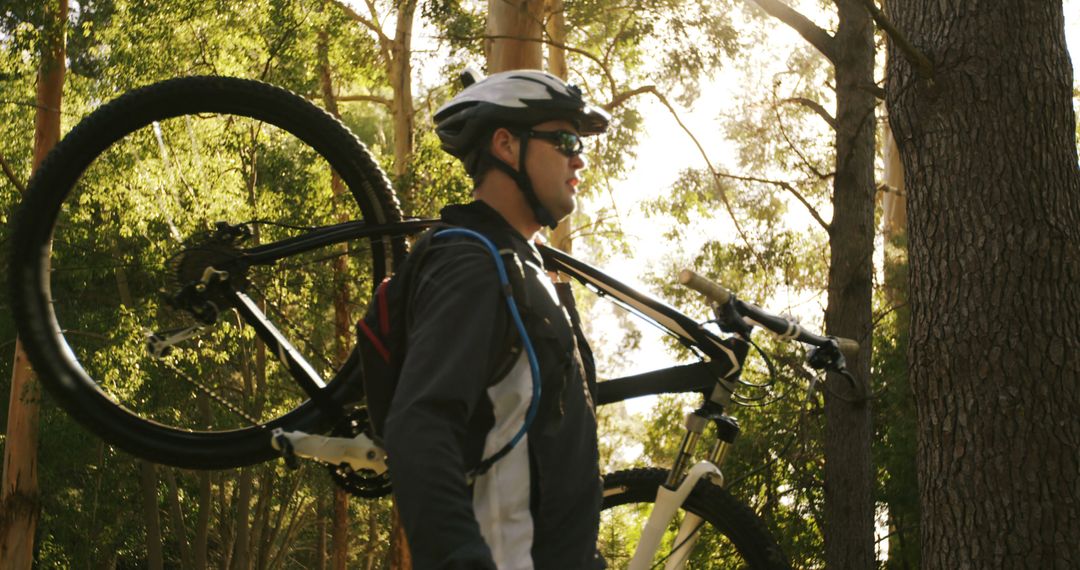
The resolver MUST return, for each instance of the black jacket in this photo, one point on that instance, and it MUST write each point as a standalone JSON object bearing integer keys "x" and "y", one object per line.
{"x": 463, "y": 392}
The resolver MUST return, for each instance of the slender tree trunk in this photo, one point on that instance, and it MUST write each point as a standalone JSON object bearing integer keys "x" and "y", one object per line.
{"x": 556, "y": 30}
{"x": 323, "y": 512}
{"x": 242, "y": 547}
{"x": 148, "y": 480}
{"x": 555, "y": 26}
{"x": 342, "y": 323}
{"x": 401, "y": 83}
{"x": 339, "y": 549}
{"x": 988, "y": 143}
{"x": 400, "y": 557}
{"x": 176, "y": 514}
{"x": 896, "y": 402}
{"x": 849, "y": 478}
{"x": 202, "y": 525}
{"x": 19, "y": 495}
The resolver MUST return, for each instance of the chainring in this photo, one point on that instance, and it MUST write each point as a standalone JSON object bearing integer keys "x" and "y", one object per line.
{"x": 362, "y": 483}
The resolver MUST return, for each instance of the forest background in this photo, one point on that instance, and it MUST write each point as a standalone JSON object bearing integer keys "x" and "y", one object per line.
{"x": 721, "y": 158}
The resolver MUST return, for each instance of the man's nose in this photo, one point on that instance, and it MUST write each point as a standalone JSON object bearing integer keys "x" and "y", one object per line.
{"x": 578, "y": 162}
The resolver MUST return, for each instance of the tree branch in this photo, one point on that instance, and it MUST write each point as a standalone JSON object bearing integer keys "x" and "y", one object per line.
{"x": 920, "y": 62}
{"x": 625, "y": 96}
{"x": 587, "y": 55}
{"x": 712, "y": 169}
{"x": 810, "y": 31}
{"x": 11, "y": 175}
{"x": 813, "y": 106}
{"x": 363, "y": 21}
{"x": 356, "y": 98}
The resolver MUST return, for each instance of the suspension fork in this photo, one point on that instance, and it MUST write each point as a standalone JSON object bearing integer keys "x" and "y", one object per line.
{"x": 673, "y": 493}
{"x": 680, "y": 482}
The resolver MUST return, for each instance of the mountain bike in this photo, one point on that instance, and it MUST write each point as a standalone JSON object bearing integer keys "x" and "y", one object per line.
{"x": 179, "y": 272}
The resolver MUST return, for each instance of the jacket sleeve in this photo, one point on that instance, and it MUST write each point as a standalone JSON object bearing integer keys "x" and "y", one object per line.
{"x": 459, "y": 318}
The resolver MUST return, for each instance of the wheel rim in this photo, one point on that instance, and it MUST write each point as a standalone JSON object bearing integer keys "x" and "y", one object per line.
{"x": 139, "y": 223}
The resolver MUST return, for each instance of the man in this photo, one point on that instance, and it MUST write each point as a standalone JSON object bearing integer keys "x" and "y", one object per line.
{"x": 466, "y": 386}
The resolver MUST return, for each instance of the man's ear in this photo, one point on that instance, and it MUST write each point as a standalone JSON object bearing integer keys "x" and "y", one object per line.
{"x": 504, "y": 146}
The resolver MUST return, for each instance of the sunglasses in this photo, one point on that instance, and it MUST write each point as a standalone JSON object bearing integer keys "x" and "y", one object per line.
{"x": 565, "y": 142}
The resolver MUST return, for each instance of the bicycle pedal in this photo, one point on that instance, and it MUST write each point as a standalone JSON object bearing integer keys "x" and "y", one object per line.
{"x": 285, "y": 448}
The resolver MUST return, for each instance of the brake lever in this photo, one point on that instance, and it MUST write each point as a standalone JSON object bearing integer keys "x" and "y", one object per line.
{"x": 729, "y": 320}
{"x": 827, "y": 357}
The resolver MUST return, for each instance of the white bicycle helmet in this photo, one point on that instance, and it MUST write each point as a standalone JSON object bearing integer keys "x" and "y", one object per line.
{"x": 515, "y": 100}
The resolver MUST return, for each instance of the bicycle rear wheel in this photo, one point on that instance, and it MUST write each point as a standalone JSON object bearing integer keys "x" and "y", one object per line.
{"x": 130, "y": 210}
{"x": 731, "y": 535}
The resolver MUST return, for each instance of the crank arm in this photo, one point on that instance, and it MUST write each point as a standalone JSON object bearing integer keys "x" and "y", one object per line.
{"x": 160, "y": 344}
{"x": 358, "y": 452}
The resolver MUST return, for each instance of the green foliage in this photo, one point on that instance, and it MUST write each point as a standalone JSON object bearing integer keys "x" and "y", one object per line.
{"x": 125, "y": 223}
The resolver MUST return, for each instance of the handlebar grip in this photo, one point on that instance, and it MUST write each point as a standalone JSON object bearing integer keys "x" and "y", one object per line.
{"x": 705, "y": 286}
{"x": 848, "y": 347}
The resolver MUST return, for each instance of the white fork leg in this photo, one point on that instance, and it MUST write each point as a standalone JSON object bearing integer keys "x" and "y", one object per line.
{"x": 684, "y": 542}
{"x": 667, "y": 503}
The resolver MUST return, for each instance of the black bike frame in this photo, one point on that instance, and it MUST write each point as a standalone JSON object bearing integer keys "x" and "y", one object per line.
{"x": 719, "y": 368}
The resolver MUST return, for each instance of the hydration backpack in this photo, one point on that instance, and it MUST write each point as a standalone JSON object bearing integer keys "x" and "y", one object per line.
{"x": 382, "y": 335}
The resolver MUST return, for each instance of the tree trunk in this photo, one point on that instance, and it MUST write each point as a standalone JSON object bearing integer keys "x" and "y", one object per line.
{"x": 342, "y": 325}
{"x": 514, "y": 27}
{"x": 555, "y": 26}
{"x": 402, "y": 105}
{"x": 988, "y": 144}
{"x": 400, "y": 557}
{"x": 176, "y": 514}
{"x": 556, "y": 30}
{"x": 242, "y": 547}
{"x": 19, "y": 494}
{"x": 895, "y": 403}
{"x": 202, "y": 526}
{"x": 339, "y": 549}
{"x": 148, "y": 480}
{"x": 849, "y": 505}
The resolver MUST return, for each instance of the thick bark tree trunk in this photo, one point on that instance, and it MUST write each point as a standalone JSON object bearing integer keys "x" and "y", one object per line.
{"x": 514, "y": 27}
{"x": 849, "y": 504}
{"x": 988, "y": 143}
{"x": 19, "y": 494}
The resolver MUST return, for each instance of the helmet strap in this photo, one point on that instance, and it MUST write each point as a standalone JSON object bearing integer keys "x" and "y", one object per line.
{"x": 524, "y": 183}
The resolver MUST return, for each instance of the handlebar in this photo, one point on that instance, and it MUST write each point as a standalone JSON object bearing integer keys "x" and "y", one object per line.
{"x": 754, "y": 315}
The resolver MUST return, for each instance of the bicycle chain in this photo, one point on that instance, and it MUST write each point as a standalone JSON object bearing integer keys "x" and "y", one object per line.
{"x": 212, "y": 394}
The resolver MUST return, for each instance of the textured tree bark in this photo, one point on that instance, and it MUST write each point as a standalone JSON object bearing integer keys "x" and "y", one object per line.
{"x": 988, "y": 144}
{"x": 515, "y": 27}
{"x": 19, "y": 506}
{"x": 849, "y": 505}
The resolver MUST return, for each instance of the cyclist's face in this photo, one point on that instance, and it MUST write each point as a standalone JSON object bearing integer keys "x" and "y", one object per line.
{"x": 555, "y": 176}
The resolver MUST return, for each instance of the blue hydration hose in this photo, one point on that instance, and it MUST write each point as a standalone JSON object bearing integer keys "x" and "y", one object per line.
{"x": 534, "y": 364}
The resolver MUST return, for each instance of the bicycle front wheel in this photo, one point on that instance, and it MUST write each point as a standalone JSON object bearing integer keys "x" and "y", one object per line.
{"x": 136, "y": 207}
{"x": 729, "y": 535}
